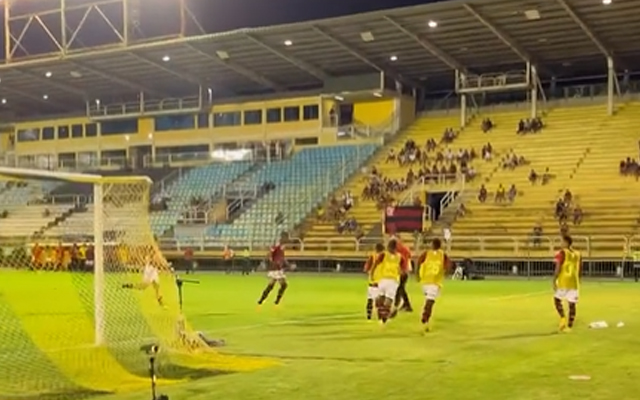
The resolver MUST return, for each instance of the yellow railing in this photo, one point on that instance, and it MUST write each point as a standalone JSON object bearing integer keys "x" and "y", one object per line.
{"x": 505, "y": 246}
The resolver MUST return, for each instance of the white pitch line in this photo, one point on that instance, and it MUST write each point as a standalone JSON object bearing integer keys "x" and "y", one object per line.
{"x": 521, "y": 295}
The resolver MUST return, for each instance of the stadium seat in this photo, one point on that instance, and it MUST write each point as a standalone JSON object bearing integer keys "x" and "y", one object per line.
{"x": 577, "y": 147}
{"x": 301, "y": 183}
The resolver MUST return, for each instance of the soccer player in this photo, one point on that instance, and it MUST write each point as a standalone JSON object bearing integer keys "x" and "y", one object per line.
{"x": 402, "y": 297}
{"x": 433, "y": 265}
{"x": 392, "y": 264}
{"x": 566, "y": 282}
{"x": 276, "y": 265}
{"x": 150, "y": 277}
{"x": 372, "y": 272}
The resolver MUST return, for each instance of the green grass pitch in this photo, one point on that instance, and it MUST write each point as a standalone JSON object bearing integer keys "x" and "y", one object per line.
{"x": 491, "y": 339}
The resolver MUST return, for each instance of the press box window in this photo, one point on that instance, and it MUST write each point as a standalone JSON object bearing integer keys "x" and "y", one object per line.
{"x": 63, "y": 132}
{"x": 28, "y": 135}
{"x": 253, "y": 117}
{"x": 48, "y": 133}
{"x": 227, "y": 119}
{"x": 91, "y": 130}
{"x": 203, "y": 120}
{"x": 291, "y": 114}
{"x": 77, "y": 131}
{"x": 310, "y": 112}
{"x": 274, "y": 115}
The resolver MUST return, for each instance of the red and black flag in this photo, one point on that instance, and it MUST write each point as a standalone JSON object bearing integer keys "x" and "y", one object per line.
{"x": 403, "y": 219}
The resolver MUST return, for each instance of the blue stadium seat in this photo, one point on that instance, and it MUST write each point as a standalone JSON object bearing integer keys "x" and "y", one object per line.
{"x": 302, "y": 183}
{"x": 199, "y": 182}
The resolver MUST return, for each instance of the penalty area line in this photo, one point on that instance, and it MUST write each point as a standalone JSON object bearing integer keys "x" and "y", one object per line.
{"x": 520, "y": 295}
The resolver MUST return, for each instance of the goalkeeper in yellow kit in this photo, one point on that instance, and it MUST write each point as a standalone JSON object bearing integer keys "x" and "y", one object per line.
{"x": 433, "y": 265}
{"x": 566, "y": 282}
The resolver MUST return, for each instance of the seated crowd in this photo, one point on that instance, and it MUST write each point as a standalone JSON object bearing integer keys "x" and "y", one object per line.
{"x": 501, "y": 195}
{"x": 487, "y": 125}
{"x": 630, "y": 167}
{"x": 529, "y": 125}
{"x": 512, "y": 160}
{"x": 543, "y": 178}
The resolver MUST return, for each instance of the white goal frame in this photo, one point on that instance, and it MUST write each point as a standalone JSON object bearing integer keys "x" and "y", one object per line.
{"x": 98, "y": 182}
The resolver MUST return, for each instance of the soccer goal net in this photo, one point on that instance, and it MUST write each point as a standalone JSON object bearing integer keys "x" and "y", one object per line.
{"x": 71, "y": 245}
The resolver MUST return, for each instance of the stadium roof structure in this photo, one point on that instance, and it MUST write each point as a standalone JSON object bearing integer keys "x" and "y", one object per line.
{"x": 419, "y": 46}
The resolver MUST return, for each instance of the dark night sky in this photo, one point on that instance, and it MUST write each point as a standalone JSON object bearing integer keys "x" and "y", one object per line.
{"x": 224, "y": 15}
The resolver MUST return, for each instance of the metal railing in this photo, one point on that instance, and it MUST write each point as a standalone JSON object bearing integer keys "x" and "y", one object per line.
{"x": 514, "y": 246}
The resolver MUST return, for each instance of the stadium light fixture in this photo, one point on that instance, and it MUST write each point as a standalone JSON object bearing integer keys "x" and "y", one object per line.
{"x": 377, "y": 94}
{"x": 288, "y": 43}
{"x": 48, "y": 74}
{"x": 45, "y": 96}
{"x": 432, "y": 24}
{"x": 393, "y": 58}
{"x": 166, "y": 58}
{"x": 339, "y": 98}
{"x": 4, "y": 101}
{"x": 606, "y": 2}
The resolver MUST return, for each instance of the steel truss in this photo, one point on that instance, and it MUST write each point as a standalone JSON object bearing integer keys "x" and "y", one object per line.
{"x": 57, "y": 28}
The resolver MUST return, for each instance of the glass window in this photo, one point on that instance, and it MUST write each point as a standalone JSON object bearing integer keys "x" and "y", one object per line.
{"x": 310, "y": 112}
{"x": 307, "y": 141}
{"x": 119, "y": 127}
{"x": 232, "y": 118}
{"x": 274, "y": 115}
{"x": 91, "y": 130}
{"x": 174, "y": 122}
{"x": 253, "y": 117}
{"x": 28, "y": 135}
{"x": 48, "y": 133}
{"x": 292, "y": 114}
{"x": 203, "y": 120}
{"x": 63, "y": 132}
{"x": 77, "y": 131}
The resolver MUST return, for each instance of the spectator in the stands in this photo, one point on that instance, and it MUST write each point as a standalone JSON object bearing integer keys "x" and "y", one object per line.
{"x": 461, "y": 211}
{"x": 577, "y": 215}
{"x": 487, "y": 152}
{"x": 391, "y": 155}
{"x": 347, "y": 201}
{"x": 431, "y": 144}
{"x": 501, "y": 195}
{"x": 482, "y": 195}
{"x": 46, "y": 213}
{"x": 568, "y": 197}
{"x": 537, "y": 234}
{"x": 546, "y": 177}
{"x": 449, "y": 135}
{"x": 559, "y": 209}
{"x": 533, "y": 176}
{"x": 487, "y": 125}
{"x": 513, "y": 192}
{"x": 533, "y": 125}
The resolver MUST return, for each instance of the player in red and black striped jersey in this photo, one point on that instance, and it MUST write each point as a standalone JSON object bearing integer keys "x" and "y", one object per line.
{"x": 402, "y": 301}
{"x": 276, "y": 265}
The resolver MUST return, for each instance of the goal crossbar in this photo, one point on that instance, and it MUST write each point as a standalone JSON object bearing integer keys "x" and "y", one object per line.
{"x": 24, "y": 173}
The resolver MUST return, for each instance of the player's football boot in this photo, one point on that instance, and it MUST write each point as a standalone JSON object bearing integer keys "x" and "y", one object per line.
{"x": 426, "y": 328}
{"x": 563, "y": 324}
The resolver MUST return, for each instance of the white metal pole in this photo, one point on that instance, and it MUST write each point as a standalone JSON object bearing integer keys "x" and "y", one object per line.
{"x": 463, "y": 103}
{"x": 98, "y": 262}
{"x": 610, "y": 85}
{"x": 534, "y": 91}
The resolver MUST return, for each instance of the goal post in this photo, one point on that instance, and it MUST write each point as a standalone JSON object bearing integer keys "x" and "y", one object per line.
{"x": 70, "y": 242}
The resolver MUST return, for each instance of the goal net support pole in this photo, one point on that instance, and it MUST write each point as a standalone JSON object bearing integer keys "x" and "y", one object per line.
{"x": 98, "y": 278}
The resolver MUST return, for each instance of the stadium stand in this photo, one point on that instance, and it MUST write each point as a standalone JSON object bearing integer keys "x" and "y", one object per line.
{"x": 204, "y": 182}
{"x": 301, "y": 183}
{"x": 321, "y": 230}
{"x": 575, "y": 162}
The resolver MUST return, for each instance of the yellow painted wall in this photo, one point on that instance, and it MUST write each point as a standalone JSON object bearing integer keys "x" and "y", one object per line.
{"x": 146, "y": 134}
{"x": 373, "y": 112}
